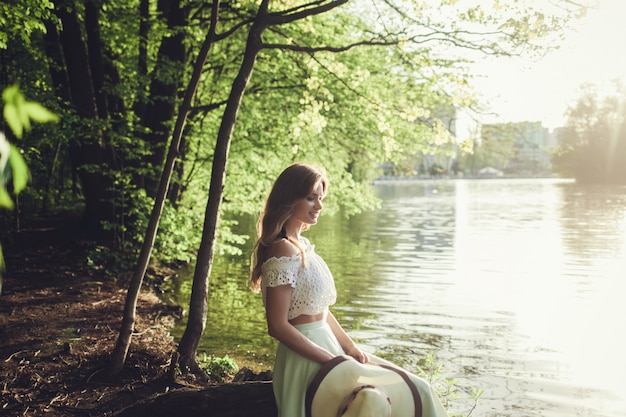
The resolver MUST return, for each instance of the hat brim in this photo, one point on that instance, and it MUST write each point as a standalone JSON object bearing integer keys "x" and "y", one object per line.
{"x": 340, "y": 376}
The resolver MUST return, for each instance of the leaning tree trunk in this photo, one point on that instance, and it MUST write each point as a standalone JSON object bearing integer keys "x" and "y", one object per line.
{"x": 130, "y": 307}
{"x": 198, "y": 305}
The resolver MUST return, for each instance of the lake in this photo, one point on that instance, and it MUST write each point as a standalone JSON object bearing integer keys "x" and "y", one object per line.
{"x": 517, "y": 286}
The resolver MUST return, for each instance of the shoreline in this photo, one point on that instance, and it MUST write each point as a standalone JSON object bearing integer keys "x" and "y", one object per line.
{"x": 393, "y": 180}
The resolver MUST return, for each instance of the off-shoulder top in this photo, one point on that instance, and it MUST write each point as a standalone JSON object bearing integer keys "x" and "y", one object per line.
{"x": 313, "y": 284}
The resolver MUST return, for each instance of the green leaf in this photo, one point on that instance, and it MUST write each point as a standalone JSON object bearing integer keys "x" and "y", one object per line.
{"x": 18, "y": 112}
{"x": 19, "y": 170}
{"x": 12, "y": 117}
{"x": 21, "y": 111}
{"x": 39, "y": 113}
{"x": 5, "y": 199}
{"x": 11, "y": 94}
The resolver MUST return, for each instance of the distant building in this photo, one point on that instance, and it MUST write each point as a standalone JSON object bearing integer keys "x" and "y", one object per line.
{"x": 554, "y": 139}
{"x": 463, "y": 127}
{"x": 532, "y": 149}
{"x": 531, "y": 144}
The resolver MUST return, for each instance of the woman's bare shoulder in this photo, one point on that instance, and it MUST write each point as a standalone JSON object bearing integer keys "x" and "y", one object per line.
{"x": 282, "y": 248}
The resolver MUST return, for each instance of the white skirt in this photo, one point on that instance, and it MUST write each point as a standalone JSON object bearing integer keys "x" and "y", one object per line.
{"x": 293, "y": 373}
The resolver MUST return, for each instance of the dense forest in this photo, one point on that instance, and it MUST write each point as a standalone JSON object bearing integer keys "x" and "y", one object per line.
{"x": 168, "y": 119}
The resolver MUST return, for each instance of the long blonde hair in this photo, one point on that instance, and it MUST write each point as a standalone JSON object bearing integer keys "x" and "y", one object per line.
{"x": 294, "y": 183}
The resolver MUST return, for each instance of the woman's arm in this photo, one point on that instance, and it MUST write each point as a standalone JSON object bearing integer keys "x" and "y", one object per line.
{"x": 344, "y": 340}
{"x": 277, "y": 304}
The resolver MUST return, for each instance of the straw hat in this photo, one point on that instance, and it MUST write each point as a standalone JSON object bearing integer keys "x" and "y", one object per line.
{"x": 344, "y": 387}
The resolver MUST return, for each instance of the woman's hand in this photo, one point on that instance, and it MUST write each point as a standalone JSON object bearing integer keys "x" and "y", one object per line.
{"x": 357, "y": 354}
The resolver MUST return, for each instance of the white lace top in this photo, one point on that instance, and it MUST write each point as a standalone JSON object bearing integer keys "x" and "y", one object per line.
{"x": 313, "y": 285}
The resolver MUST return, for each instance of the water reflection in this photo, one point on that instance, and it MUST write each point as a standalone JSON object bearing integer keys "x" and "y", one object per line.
{"x": 516, "y": 285}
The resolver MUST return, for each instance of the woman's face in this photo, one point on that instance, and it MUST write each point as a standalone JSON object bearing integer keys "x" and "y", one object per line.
{"x": 307, "y": 210}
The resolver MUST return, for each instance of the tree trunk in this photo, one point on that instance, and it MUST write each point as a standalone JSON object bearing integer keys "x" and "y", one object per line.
{"x": 198, "y": 305}
{"x": 90, "y": 150}
{"x": 60, "y": 84}
{"x": 161, "y": 106}
{"x": 96, "y": 64}
{"x": 52, "y": 45}
{"x": 228, "y": 400}
{"x": 142, "y": 59}
{"x": 130, "y": 307}
{"x": 176, "y": 188}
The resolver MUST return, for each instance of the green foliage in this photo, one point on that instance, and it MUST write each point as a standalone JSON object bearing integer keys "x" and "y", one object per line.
{"x": 433, "y": 371}
{"x": 104, "y": 258}
{"x": 446, "y": 388}
{"x": 18, "y": 114}
{"x": 12, "y": 167}
{"x": 22, "y": 18}
{"x": 179, "y": 234}
{"x": 221, "y": 369}
{"x": 179, "y": 230}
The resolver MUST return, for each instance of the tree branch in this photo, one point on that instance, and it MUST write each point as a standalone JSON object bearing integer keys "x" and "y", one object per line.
{"x": 281, "y": 18}
{"x": 234, "y": 29}
{"x": 303, "y": 6}
{"x": 314, "y": 49}
{"x": 205, "y": 108}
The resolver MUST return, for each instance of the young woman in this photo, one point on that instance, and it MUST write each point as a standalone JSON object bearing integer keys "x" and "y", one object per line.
{"x": 298, "y": 288}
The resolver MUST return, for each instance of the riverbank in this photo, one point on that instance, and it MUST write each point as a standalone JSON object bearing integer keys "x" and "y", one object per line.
{"x": 489, "y": 176}
{"x": 59, "y": 322}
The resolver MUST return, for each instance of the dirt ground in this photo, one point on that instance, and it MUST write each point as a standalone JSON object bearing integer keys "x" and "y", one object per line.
{"x": 59, "y": 322}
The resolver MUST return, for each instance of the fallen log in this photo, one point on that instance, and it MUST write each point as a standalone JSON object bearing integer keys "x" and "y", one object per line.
{"x": 225, "y": 400}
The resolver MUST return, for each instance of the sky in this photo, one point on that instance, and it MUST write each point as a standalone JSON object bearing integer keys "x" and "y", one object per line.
{"x": 521, "y": 90}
